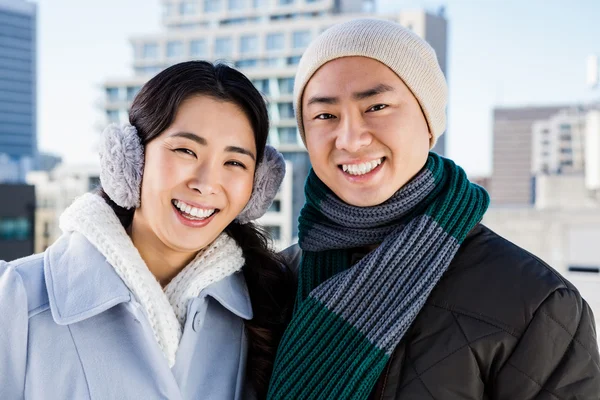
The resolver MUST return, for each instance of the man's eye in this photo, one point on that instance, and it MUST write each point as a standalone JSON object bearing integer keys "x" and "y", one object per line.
{"x": 324, "y": 116}
{"x": 186, "y": 151}
{"x": 378, "y": 107}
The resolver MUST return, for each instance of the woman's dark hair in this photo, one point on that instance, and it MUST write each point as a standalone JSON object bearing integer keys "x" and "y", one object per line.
{"x": 269, "y": 280}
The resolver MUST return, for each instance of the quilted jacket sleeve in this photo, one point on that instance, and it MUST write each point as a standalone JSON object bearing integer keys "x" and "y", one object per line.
{"x": 13, "y": 333}
{"x": 556, "y": 357}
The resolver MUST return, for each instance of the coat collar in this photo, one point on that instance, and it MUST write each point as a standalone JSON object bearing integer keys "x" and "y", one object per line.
{"x": 82, "y": 284}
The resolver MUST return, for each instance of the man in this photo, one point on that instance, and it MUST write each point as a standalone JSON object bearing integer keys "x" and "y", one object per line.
{"x": 403, "y": 294}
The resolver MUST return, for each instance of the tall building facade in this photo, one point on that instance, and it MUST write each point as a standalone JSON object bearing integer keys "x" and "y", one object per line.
{"x": 512, "y": 181}
{"x": 558, "y": 143}
{"x": 18, "y": 137}
{"x": 265, "y": 39}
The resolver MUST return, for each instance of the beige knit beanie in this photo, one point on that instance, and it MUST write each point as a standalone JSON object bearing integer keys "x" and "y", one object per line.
{"x": 401, "y": 50}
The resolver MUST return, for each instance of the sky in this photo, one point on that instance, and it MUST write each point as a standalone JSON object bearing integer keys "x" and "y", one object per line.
{"x": 500, "y": 53}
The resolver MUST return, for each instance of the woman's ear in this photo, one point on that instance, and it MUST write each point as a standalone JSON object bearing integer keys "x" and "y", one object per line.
{"x": 267, "y": 179}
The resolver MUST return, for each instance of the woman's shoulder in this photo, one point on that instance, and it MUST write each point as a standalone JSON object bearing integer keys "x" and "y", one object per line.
{"x": 22, "y": 282}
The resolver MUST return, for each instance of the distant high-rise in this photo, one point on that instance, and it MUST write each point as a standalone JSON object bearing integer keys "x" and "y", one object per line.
{"x": 512, "y": 179}
{"x": 18, "y": 138}
{"x": 265, "y": 39}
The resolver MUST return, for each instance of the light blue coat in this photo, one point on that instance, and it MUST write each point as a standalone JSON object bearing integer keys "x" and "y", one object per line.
{"x": 71, "y": 329}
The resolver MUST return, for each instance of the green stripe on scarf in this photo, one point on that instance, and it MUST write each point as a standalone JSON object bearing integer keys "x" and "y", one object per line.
{"x": 348, "y": 319}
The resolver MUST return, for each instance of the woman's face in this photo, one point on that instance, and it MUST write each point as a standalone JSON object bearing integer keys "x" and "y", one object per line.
{"x": 198, "y": 175}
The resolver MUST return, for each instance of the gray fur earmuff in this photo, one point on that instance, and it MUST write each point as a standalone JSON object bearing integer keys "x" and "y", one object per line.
{"x": 122, "y": 167}
{"x": 267, "y": 178}
{"x": 121, "y": 164}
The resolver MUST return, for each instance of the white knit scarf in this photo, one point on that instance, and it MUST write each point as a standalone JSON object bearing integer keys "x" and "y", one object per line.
{"x": 166, "y": 310}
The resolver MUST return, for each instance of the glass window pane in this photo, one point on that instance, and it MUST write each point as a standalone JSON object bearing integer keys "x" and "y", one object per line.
{"x": 275, "y": 41}
{"x": 198, "y": 48}
{"x": 175, "y": 49}
{"x": 262, "y": 85}
{"x": 187, "y": 8}
{"x": 112, "y": 94}
{"x": 286, "y": 110}
{"x": 223, "y": 46}
{"x": 150, "y": 50}
{"x": 300, "y": 39}
{"x": 131, "y": 92}
{"x": 212, "y": 5}
{"x": 236, "y": 4}
{"x": 286, "y": 85}
{"x": 246, "y": 63}
{"x": 249, "y": 44}
{"x": 288, "y": 136}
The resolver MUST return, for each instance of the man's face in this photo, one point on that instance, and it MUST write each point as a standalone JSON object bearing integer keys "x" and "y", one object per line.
{"x": 366, "y": 134}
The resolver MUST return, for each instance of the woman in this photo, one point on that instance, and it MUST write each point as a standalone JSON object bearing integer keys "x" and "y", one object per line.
{"x": 160, "y": 286}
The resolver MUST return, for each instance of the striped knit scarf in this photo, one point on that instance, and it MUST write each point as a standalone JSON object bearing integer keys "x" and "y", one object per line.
{"x": 349, "y": 319}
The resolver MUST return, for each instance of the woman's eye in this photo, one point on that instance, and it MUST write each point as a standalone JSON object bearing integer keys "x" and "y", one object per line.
{"x": 324, "y": 116}
{"x": 378, "y": 107}
{"x": 186, "y": 151}
{"x": 236, "y": 164}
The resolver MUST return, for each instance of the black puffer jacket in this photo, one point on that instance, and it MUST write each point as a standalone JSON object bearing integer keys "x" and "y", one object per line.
{"x": 500, "y": 325}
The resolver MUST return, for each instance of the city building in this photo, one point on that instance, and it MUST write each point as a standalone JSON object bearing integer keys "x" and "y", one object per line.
{"x": 18, "y": 87}
{"x": 265, "y": 39}
{"x": 558, "y": 143}
{"x": 512, "y": 181}
{"x": 17, "y": 219}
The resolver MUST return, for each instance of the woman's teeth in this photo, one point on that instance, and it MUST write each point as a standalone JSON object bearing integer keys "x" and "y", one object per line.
{"x": 198, "y": 213}
{"x": 363, "y": 168}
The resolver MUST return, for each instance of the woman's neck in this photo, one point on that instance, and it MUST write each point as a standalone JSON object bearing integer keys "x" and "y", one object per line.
{"x": 163, "y": 262}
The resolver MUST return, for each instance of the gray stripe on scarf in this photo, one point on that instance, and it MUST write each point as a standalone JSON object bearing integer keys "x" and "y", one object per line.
{"x": 349, "y": 229}
{"x": 385, "y": 312}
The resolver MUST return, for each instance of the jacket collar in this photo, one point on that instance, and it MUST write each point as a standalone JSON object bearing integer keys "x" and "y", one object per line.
{"x": 82, "y": 284}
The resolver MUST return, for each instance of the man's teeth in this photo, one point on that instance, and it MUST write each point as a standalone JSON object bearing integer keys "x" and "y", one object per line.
{"x": 193, "y": 211}
{"x": 363, "y": 168}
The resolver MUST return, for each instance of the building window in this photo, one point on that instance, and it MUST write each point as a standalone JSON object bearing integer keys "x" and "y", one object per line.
{"x": 249, "y": 63}
{"x": 175, "y": 49}
{"x": 262, "y": 85}
{"x": 198, "y": 48}
{"x": 259, "y": 3}
{"x": 285, "y": 2}
{"x": 212, "y": 5}
{"x": 150, "y": 51}
{"x": 594, "y": 269}
{"x": 286, "y": 85}
{"x": 300, "y": 39}
{"x": 286, "y": 110}
{"x": 288, "y": 135}
{"x": 275, "y": 41}
{"x": 167, "y": 9}
{"x": 187, "y": 8}
{"x": 112, "y": 94}
{"x": 273, "y": 231}
{"x": 275, "y": 206}
{"x": 236, "y": 4}
{"x": 565, "y": 127}
{"x": 112, "y": 115}
{"x": 248, "y": 44}
{"x": 566, "y": 150}
{"x": 293, "y": 60}
{"x": 274, "y": 62}
{"x": 223, "y": 46}
{"x": 131, "y": 92}
{"x": 15, "y": 229}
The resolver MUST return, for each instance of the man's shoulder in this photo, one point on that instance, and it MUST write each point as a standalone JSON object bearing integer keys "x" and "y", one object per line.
{"x": 292, "y": 257}
{"x": 496, "y": 281}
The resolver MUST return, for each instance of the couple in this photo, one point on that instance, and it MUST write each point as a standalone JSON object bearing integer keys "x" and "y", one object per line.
{"x": 161, "y": 287}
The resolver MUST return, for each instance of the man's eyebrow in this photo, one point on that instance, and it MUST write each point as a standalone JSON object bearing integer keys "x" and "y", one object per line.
{"x": 365, "y": 94}
{"x": 191, "y": 136}
{"x": 322, "y": 100}
{"x": 240, "y": 150}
